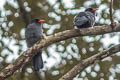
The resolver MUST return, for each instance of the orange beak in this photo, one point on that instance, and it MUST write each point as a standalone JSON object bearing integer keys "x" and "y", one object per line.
{"x": 95, "y": 9}
{"x": 41, "y": 21}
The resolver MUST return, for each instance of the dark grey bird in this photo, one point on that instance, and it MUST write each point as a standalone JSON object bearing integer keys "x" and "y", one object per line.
{"x": 85, "y": 19}
{"x": 33, "y": 34}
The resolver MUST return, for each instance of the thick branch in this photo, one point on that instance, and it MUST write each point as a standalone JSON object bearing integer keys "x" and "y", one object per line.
{"x": 91, "y": 60}
{"x": 28, "y": 54}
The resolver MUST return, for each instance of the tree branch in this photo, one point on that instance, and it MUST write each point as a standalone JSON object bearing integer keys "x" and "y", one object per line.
{"x": 89, "y": 61}
{"x": 28, "y": 54}
{"x": 111, "y": 13}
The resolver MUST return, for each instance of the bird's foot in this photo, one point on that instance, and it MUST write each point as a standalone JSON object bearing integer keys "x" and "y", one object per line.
{"x": 44, "y": 36}
{"x": 92, "y": 27}
{"x": 75, "y": 27}
{"x": 113, "y": 25}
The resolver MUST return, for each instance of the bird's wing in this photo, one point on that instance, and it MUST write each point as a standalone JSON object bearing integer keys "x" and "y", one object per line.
{"x": 91, "y": 18}
{"x": 30, "y": 31}
{"x": 80, "y": 19}
{"x": 31, "y": 35}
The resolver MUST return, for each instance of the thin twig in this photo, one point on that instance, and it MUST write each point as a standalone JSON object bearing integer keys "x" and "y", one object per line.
{"x": 111, "y": 14}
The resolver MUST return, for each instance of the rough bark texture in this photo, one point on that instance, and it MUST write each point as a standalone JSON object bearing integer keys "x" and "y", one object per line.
{"x": 91, "y": 60}
{"x": 28, "y": 54}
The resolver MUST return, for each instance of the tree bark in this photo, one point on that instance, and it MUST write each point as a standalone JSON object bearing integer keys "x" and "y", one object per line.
{"x": 28, "y": 54}
{"x": 89, "y": 61}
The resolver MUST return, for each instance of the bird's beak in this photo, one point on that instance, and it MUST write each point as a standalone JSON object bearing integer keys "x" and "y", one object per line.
{"x": 41, "y": 21}
{"x": 95, "y": 9}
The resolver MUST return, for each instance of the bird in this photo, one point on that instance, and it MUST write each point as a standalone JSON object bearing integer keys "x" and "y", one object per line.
{"x": 85, "y": 19}
{"x": 33, "y": 34}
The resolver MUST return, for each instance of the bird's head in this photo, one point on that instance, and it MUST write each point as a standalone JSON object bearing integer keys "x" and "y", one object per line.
{"x": 39, "y": 21}
{"x": 92, "y": 10}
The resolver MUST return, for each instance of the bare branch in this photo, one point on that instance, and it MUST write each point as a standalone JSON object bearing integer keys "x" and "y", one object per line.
{"x": 89, "y": 61}
{"x": 28, "y": 54}
{"x": 111, "y": 13}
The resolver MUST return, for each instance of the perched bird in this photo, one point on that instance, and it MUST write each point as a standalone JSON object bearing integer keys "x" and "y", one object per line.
{"x": 33, "y": 34}
{"x": 85, "y": 19}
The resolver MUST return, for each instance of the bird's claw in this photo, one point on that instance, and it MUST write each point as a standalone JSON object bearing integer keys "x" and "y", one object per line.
{"x": 44, "y": 36}
{"x": 113, "y": 25}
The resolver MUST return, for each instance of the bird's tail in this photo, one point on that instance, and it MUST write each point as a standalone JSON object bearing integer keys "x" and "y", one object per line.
{"x": 38, "y": 61}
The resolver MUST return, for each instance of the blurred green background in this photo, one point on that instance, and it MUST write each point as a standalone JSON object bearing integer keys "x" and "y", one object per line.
{"x": 58, "y": 58}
